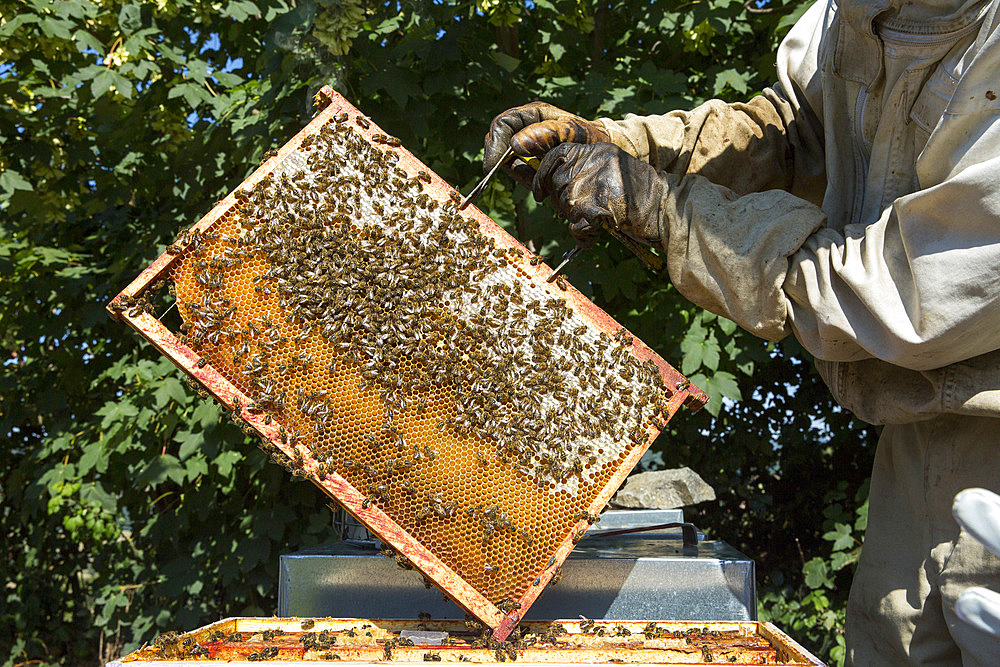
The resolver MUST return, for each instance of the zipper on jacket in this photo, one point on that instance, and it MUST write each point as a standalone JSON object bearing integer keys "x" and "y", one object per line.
{"x": 861, "y": 154}
{"x": 859, "y": 122}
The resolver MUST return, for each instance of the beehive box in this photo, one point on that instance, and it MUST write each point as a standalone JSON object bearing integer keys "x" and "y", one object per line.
{"x": 578, "y": 642}
{"x": 410, "y": 360}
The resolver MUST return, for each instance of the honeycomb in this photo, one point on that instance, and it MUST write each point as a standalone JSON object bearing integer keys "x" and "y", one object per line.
{"x": 399, "y": 347}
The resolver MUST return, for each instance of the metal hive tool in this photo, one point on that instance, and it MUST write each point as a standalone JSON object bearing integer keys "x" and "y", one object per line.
{"x": 411, "y": 361}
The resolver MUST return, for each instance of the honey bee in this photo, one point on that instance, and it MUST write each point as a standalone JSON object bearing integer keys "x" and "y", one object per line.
{"x": 268, "y": 155}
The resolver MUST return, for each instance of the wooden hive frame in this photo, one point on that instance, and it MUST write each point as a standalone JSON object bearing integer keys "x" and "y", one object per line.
{"x": 185, "y": 358}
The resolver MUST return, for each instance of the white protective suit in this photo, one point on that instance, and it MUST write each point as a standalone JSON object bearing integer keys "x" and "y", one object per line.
{"x": 856, "y": 204}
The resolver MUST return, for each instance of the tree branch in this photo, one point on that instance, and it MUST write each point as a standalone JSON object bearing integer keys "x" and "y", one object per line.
{"x": 749, "y": 6}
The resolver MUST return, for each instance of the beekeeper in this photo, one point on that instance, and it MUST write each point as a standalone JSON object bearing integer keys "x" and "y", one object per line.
{"x": 856, "y": 205}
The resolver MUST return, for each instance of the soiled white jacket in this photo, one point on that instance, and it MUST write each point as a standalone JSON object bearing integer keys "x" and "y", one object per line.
{"x": 856, "y": 203}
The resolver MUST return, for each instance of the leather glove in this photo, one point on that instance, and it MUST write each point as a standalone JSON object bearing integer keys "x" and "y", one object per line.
{"x": 534, "y": 129}
{"x": 978, "y": 512}
{"x": 600, "y": 184}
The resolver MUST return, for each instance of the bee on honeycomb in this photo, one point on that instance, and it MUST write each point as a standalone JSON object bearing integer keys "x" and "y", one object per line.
{"x": 401, "y": 348}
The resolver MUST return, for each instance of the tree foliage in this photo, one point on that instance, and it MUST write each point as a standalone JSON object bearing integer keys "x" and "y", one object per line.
{"x": 129, "y": 507}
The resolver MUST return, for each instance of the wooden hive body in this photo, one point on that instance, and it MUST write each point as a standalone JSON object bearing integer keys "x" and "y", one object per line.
{"x": 241, "y": 641}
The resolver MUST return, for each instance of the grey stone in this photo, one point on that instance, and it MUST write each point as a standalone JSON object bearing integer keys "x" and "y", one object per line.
{"x": 663, "y": 489}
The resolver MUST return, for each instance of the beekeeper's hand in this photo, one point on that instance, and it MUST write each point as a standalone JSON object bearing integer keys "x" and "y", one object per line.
{"x": 978, "y": 512}
{"x": 594, "y": 184}
{"x": 532, "y": 130}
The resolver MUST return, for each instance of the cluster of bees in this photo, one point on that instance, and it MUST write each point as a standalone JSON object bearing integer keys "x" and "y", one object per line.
{"x": 340, "y": 268}
{"x": 189, "y": 648}
{"x": 457, "y": 645}
{"x": 169, "y": 644}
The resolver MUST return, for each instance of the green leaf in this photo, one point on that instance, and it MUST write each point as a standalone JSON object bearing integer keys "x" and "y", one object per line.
{"x": 117, "y": 411}
{"x": 16, "y": 22}
{"x": 193, "y": 93}
{"x": 700, "y": 348}
{"x": 728, "y": 326}
{"x": 227, "y": 79}
{"x": 195, "y": 467}
{"x": 841, "y": 559}
{"x": 252, "y": 551}
{"x": 54, "y": 27}
{"x": 122, "y": 85}
{"x": 725, "y": 383}
{"x": 160, "y": 469}
{"x": 240, "y": 10}
{"x": 96, "y": 493}
{"x": 692, "y": 356}
{"x": 169, "y": 389}
{"x": 788, "y": 20}
{"x": 506, "y": 63}
{"x": 389, "y": 25}
{"x": 10, "y": 181}
{"x": 102, "y": 83}
{"x": 816, "y": 572}
{"x": 225, "y": 461}
{"x": 733, "y": 79}
{"x": 841, "y": 537}
{"x": 206, "y": 414}
{"x": 189, "y": 443}
{"x": 130, "y": 18}
{"x": 92, "y": 454}
{"x": 861, "y": 523}
{"x": 710, "y": 353}
{"x": 396, "y": 82}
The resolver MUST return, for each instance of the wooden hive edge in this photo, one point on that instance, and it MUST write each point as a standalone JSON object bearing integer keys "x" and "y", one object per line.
{"x": 589, "y": 650}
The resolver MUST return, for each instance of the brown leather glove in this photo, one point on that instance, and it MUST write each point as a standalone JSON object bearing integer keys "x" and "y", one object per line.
{"x": 595, "y": 184}
{"x": 534, "y": 129}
